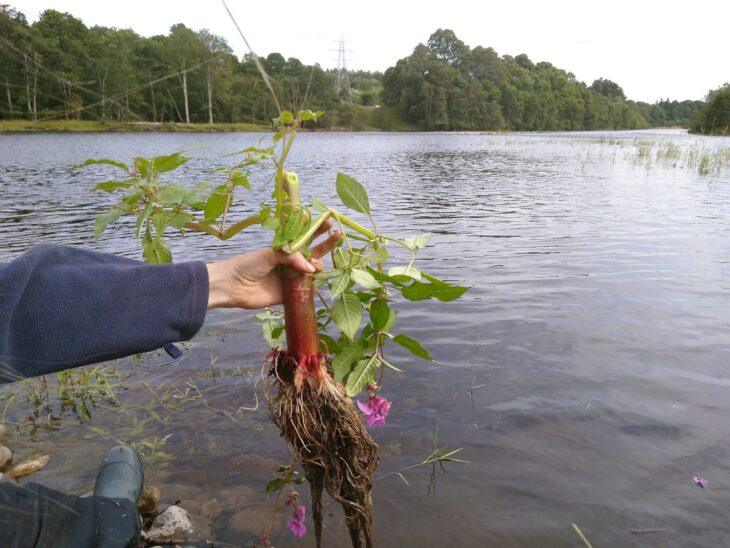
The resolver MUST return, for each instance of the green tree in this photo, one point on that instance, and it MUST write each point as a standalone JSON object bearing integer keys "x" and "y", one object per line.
{"x": 63, "y": 41}
{"x": 607, "y": 88}
{"x": 714, "y": 117}
{"x": 13, "y": 43}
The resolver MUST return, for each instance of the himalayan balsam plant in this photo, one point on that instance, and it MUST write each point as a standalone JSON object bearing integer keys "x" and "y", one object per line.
{"x": 323, "y": 357}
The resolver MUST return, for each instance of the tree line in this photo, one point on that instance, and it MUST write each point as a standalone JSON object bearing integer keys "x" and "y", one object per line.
{"x": 445, "y": 85}
{"x": 59, "y": 68}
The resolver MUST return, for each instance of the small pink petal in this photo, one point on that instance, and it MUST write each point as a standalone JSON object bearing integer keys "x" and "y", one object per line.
{"x": 365, "y": 407}
{"x": 297, "y": 527}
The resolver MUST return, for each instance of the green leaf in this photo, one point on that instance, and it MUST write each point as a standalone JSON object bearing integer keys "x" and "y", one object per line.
{"x": 155, "y": 251}
{"x": 362, "y": 375}
{"x": 379, "y": 256}
{"x": 342, "y": 257}
{"x": 391, "y": 322}
{"x": 161, "y": 164}
{"x": 141, "y": 218}
{"x": 240, "y": 179}
{"x": 352, "y": 194}
{"x": 379, "y": 313}
{"x": 284, "y": 118}
{"x": 391, "y": 366}
{"x": 106, "y": 161}
{"x": 275, "y": 485}
{"x": 319, "y": 205}
{"x": 365, "y": 279}
{"x": 159, "y": 221}
{"x": 216, "y": 203}
{"x": 413, "y": 345}
{"x": 385, "y": 278}
{"x": 409, "y": 271}
{"x": 346, "y": 312}
{"x": 273, "y": 334}
{"x": 270, "y": 223}
{"x": 101, "y": 221}
{"x": 296, "y": 223}
{"x": 142, "y": 165}
{"x": 111, "y": 186}
{"x": 178, "y": 219}
{"x": 415, "y": 243}
{"x": 419, "y": 291}
{"x": 342, "y": 362}
{"x": 174, "y": 194}
{"x": 340, "y": 282}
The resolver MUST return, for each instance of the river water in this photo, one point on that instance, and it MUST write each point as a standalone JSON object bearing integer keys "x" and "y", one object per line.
{"x": 584, "y": 375}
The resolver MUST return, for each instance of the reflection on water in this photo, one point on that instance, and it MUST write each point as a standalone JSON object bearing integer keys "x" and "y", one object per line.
{"x": 584, "y": 374}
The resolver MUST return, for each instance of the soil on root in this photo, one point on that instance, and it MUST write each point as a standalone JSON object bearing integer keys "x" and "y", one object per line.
{"x": 322, "y": 426}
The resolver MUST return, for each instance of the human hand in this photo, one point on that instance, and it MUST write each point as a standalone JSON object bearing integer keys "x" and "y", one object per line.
{"x": 250, "y": 280}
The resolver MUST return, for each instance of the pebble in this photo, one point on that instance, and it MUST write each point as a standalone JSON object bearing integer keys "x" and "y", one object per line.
{"x": 211, "y": 509}
{"x": 3, "y": 431}
{"x": 149, "y": 500}
{"x": 6, "y": 457}
{"x": 28, "y": 466}
{"x": 171, "y": 526}
{"x": 251, "y": 520}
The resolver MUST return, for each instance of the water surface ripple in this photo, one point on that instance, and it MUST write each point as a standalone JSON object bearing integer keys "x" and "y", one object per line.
{"x": 584, "y": 375}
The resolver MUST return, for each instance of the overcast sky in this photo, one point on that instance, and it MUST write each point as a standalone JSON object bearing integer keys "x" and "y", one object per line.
{"x": 653, "y": 49}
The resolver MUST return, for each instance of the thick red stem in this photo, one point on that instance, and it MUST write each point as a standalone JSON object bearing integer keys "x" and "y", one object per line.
{"x": 300, "y": 318}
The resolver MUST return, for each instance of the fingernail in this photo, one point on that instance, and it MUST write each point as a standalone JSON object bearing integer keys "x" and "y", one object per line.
{"x": 310, "y": 267}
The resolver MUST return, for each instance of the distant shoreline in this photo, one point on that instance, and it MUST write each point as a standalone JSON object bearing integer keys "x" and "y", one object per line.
{"x": 92, "y": 126}
{"x": 84, "y": 126}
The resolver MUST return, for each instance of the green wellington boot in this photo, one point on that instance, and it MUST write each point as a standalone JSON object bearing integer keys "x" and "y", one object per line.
{"x": 120, "y": 475}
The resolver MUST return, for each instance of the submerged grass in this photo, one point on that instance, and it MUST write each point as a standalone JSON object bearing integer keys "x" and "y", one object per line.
{"x": 696, "y": 156}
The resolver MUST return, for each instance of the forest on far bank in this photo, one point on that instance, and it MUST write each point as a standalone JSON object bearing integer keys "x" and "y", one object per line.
{"x": 57, "y": 68}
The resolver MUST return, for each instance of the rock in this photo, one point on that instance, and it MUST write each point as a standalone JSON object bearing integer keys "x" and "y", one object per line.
{"x": 3, "y": 431}
{"x": 252, "y": 520}
{"x": 211, "y": 509}
{"x": 6, "y": 457}
{"x": 172, "y": 525}
{"x": 28, "y": 466}
{"x": 149, "y": 500}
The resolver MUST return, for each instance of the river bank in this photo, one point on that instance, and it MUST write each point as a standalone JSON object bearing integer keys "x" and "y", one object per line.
{"x": 81, "y": 126}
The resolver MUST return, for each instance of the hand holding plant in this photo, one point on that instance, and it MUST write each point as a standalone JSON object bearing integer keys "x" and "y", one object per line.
{"x": 251, "y": 281}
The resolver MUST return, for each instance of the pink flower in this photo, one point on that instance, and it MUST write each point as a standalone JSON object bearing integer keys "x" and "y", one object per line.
{"x": 699, "y": 480}
{"x": 296, "y": 524}
{"x": 375, "y": 410}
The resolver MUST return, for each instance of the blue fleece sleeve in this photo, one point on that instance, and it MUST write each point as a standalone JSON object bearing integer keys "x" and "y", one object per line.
{"x": 62, "y": 307}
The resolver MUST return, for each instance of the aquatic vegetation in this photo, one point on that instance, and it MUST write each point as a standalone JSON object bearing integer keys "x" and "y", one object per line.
{"x": 46, "y": 400}
{"x": 582, "y": 536}
{"x": 151, "y": 450}
{"x": 440, "y": 455}
{"x": 698, "y": 156}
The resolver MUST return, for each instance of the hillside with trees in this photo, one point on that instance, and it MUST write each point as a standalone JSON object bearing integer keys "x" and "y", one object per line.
{"x": 445, "y": 85}
{"x": 57, "y": 68}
